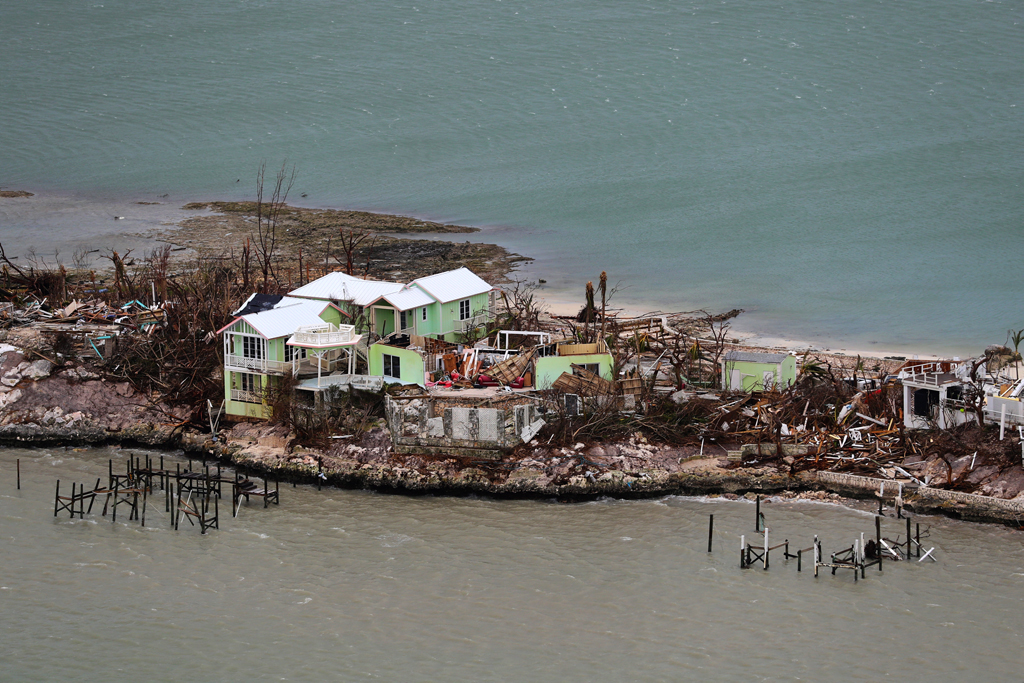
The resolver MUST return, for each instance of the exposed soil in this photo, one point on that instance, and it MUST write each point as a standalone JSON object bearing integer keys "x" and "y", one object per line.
{"x": 15, "y": 193}
{"x": 316, "y": 234}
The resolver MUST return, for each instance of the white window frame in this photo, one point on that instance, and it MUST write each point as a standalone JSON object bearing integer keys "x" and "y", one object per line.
{"x": 403, "y": 320}
{"x": 465, "y": 311}
{"x": 252, "y": 346}
{"x": 424, "y": 314}
{"x": 290, "y": 351}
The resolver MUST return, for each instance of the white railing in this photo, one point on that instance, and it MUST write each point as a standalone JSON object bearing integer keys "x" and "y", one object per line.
{"x": 328, "y": 335}
{"x": 262, "y": 365}
{"x": 928, "y": 373}
{"x": 246, "y": 396}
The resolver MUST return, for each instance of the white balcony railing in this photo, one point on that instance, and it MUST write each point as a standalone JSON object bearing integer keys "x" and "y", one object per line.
{"x": 260, "y": 365}
{"x": 327, "y": 335}
{"x": 246, "y": 396}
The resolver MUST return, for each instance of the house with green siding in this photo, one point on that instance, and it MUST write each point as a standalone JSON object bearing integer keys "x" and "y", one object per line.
{"x": 303, "y": 333}
{"x": 442, "y": 306}
{"x": 747, "y": 371}
{"x": 447, "y": 306}
{"x": 272, "y": 337}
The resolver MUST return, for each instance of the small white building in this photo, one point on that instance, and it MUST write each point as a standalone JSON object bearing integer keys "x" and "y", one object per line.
{"x": 933, "y": 394}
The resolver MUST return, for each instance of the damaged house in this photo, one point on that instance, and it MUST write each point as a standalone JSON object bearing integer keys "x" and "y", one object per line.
{"x": 748, "y": 372}
{"x": 274, "y": 336}
{"x": 303, "y": 334}
{"x": 933, "y": 393}
{"x": 482, "y": 425}
{"x": 441, "y": 306}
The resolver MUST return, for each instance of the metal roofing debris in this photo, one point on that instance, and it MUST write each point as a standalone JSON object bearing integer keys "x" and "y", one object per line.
{"x": 453, "y": 285}
{"x": 257, "y": 303}
{"x": 751, "y": 357}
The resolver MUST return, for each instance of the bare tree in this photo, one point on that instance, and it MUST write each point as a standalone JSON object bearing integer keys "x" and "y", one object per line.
{"x": 268, "y": 215}
{"x": 350, "y": 241}
{"x": 718, "y": 328}
{"x": 522, "y": 306}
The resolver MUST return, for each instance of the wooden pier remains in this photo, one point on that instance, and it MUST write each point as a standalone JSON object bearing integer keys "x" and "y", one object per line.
{"x": 244, "y": 487}
{"x": 859, "y": 556}
{"x": 196, "y": 493}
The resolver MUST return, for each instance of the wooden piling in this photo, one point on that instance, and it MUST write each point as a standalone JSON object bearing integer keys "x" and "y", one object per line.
{"x": 817, "y": 555}
{"x": 711, "y": 531}
{"x": 757, "y": 515}
{"x": 766, "y": 548}
{"x": 92, "y": 499}
{"x": 918, "y": 539}
{"x": 878, "y": 541}
{"x": 799, "y": 559}
{"x": 19, "y": 473}
{"x": 743, "y": 549}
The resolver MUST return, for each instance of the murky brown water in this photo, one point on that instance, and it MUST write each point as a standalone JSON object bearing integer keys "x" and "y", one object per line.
{"x": 350, "y": 585}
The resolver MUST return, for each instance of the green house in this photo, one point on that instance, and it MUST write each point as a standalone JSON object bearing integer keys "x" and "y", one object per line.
{"x": 272, "y": 337}
{"x": 747, "y": 371}
{"x": 442, "y": 306}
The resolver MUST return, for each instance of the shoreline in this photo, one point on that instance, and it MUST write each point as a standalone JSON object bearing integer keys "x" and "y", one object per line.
{"x": 704, "y": 478}
{"x": 76, "y": 405}
{"x": 162, "y": 220}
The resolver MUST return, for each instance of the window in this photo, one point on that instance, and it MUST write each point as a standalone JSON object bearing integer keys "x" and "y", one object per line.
{"x": 252, "y": 347}
{"x": 403, "y": 320}
{"x": 424, "y": 314}
{"x": 592, "y": 367}
{"x": 392, "y": 366}
{"x": 464, "y": 309}
{"x": 293, "y": 352}
{"x": 247, "y": 382}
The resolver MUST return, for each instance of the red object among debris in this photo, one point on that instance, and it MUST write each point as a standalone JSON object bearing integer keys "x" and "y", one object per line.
{"x": 488, "y": 381}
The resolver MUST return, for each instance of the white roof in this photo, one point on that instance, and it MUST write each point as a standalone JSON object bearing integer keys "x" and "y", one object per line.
{"x": 408, "y": 298}
{"x": 286, "y": 317}
{"x": 343, "y": 287}
{"x": 453, "y": 285}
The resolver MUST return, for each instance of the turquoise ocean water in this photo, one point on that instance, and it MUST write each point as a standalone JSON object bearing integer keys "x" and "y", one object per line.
{"x": 847, "y": 172}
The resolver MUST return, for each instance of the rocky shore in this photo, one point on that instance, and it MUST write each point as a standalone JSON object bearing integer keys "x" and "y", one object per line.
{"x": 46, "y": 406}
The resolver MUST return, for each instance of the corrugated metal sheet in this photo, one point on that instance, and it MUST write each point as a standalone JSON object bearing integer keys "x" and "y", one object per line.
{"x": 408, "y": 298}
{"x": 750, "y": 357}
{"x": 286, "y": 317}
{"x": 453, "y": 285}
{"x": 343, "y": 287}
